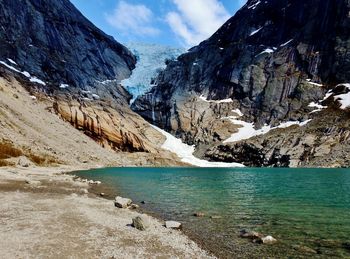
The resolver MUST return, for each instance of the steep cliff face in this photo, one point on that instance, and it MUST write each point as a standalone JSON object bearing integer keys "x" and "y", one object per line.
{"x": 52, "y": 40}
{"x": 51, "y": 48}
{"x": 273, "y": 62}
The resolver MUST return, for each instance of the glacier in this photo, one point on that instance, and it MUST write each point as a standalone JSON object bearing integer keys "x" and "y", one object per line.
{"x": 151, "y": 58}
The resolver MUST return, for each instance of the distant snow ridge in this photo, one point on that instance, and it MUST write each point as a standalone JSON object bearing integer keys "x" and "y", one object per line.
{"x": 150, "y": 60}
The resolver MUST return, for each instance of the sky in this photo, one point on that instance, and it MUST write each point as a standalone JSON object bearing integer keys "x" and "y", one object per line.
{"x": 178, "y": 23}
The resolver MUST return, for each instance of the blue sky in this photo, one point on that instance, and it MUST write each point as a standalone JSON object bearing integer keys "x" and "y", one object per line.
{"x": 182, "y": 23}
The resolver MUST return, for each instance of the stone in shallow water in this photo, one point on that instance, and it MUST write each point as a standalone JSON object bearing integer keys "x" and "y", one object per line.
{"x": 134, "y": 206}
{"x": 199, "y": 214}
{"x": 268, "y": 240}
{"x": 121, "y": 202}
{"x": 140, "y": 223}
{"x": 173, "y": 224}
{"x": 304, "y": 249}
{"x": 215, "y": 217}
{"x": 250, "y": 234}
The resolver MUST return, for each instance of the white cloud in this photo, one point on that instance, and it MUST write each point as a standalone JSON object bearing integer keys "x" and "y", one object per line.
{"x": 132, "y": 19}
{"x": 196, "y": 20}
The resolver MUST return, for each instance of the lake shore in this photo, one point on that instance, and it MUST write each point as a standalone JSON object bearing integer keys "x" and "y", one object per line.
{"x": 45, "y": 213}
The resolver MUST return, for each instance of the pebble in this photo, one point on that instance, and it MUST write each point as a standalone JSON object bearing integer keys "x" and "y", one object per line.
{"x": 140, "y": 223}
{"x": 121, "y": 202}
{"x": 173, "y": 224}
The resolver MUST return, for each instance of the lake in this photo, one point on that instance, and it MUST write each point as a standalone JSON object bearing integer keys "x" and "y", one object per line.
{"x": 307, "y": 210}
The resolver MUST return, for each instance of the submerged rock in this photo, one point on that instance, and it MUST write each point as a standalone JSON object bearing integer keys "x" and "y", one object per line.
{"x": 268, "y": 240}
{"x": 215, "y": 217}
{"x": 304, "y": 249}
{"x": 250, "y": 234}
{"x": 199, "y": 214}
{"x": 121, "y": 202}
{"x": 134, "y": 206}
{"x": 141, "y": 222}
{"x": 173, "y": 224}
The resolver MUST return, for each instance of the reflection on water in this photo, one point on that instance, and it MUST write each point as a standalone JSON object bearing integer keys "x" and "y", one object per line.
{"x": 302, "y": 208}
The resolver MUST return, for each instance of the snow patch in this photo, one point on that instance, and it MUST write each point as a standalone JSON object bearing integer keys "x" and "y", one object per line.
{"x": 36, "y": 80}
{"x": 25, "y": 73}
{"x": 344, "y": 99}
{"x": 286, "y": 43}
{"x": 268, "y": 50}
{"x": 229, "y": 100}
{"x": 238, "y": 111}
{"x": 247, "y": 130}
{"x": 95, "y": 96}
{"x": 313, "y": 83}
{"x": 185, "y": 152}
{"x": 255, "y": 31}
{"x": 316, "y": 105}
{"x": 11, "y": 61}
{"x": 253, "y": 6}
{"x": 64, "y": 86}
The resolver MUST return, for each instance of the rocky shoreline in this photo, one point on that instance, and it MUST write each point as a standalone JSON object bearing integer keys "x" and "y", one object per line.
{"x": 43, "y": 207}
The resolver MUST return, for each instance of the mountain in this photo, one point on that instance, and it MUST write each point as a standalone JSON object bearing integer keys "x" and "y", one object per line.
{"x": 269, "y": 88}
{"x": 54, "y": 55}
{"x": 52, "y": 40}
{"x": 151, "y": 59}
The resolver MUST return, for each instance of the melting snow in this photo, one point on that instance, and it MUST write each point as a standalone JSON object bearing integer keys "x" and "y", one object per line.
{"x": 95, "y": 96}
{"x": 256, "y": 31}
{"x": 253, "y": 6}
{"x": 313, "y": 83}
{"x": 25, "y": 73}
{"x": 238, "y": 111}
{"x": 344, "y": 99}
{"x": 229, "y": 100}
{"x": 64, "y": 86}
{"x": 247, "y": 130}
{"x": 36, "y": 80}
{"x": 285, "y": 44}
{"x": 268, "y": 50}
{"x": 318, "y": 107}
{"x": 11, "y": 61}
{"x": 10, "y": 67}
{"x": 185, "y": 152}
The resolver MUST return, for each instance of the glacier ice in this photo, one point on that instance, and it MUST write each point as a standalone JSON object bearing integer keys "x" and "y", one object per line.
{"x": 150, "y": 60}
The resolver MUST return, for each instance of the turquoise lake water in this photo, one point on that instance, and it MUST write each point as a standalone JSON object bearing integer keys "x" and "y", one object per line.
{"x": 302, "y": 208}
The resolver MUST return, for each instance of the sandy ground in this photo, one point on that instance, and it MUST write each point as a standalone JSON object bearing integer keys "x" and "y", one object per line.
{"x": 28, "y": 123}
{"x": 47, "y": 214}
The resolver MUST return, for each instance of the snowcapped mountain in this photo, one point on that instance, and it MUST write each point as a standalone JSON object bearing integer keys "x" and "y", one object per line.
{"x": 151, "y": 59}
{"x": 276, "y": 63}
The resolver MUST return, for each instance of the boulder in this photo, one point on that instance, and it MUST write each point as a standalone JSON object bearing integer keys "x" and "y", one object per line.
{"x": 121, "y": 202}
{"x": 268, "y": 240}
{"x": 173, "y": 224}
{"x": 24, "y": 161}
{"x": 134, "y": 206}
{"x": 250, "y": 234}
{"x": 141, "y": 222}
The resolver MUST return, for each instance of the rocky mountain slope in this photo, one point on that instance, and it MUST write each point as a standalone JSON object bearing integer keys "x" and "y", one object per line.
{"x": 56, "y": 52}
{"x": 258, "y": 91}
